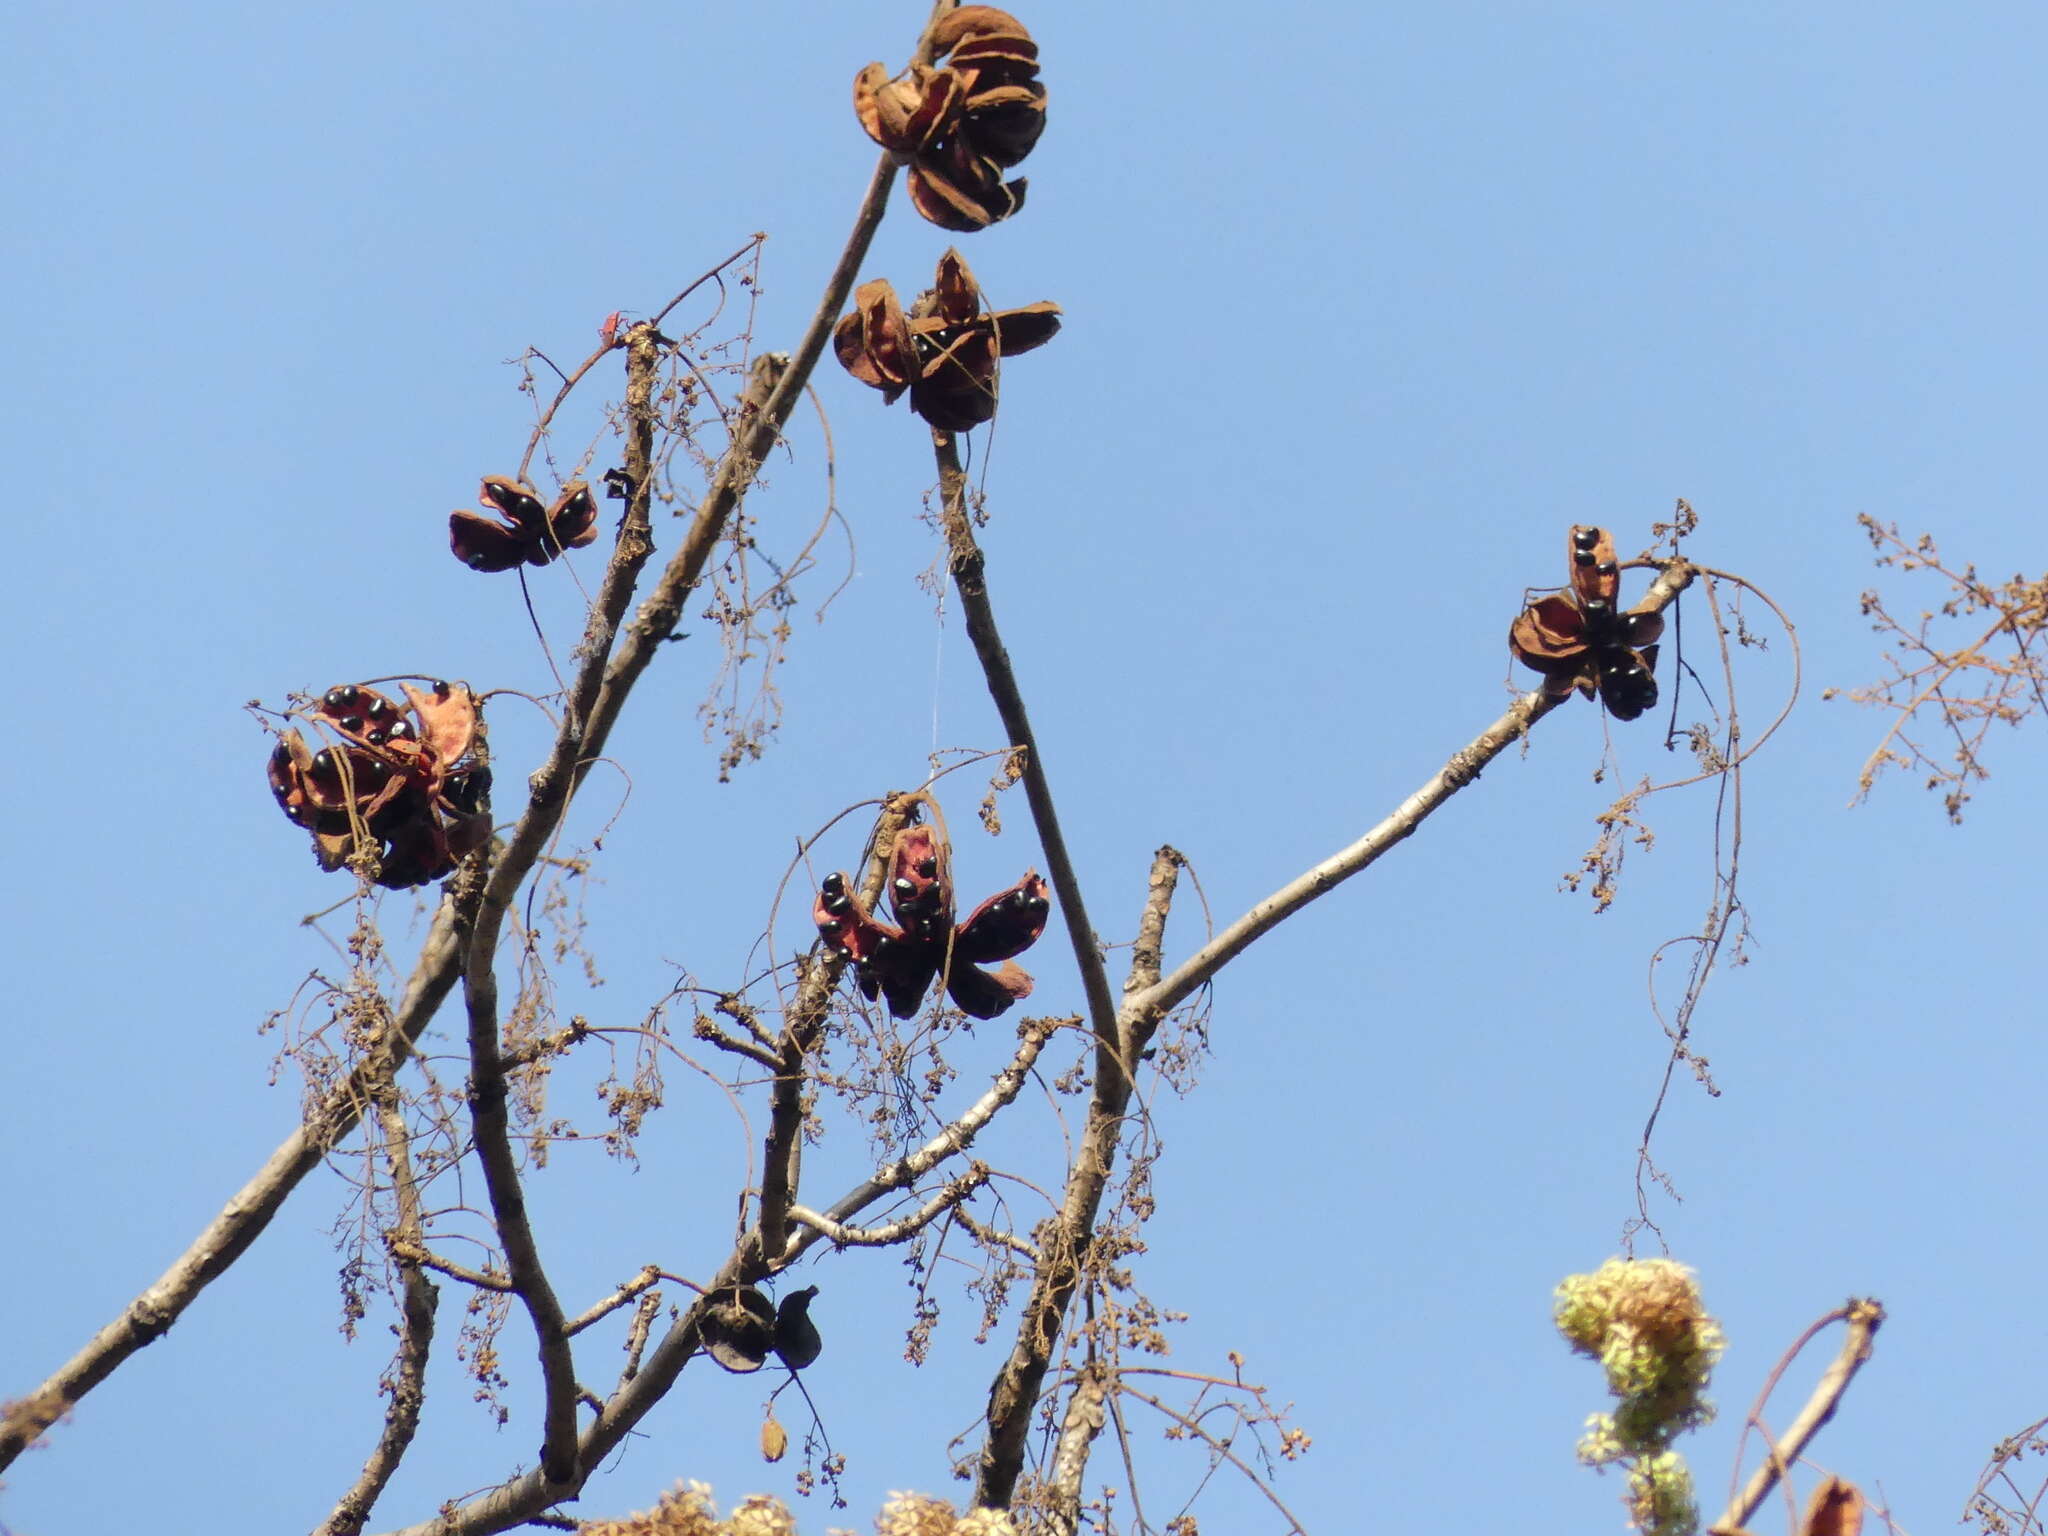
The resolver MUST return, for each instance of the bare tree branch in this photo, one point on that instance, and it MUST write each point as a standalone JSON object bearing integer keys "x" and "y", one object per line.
{"x": 803, "y": 1026}
{"x": 407, "y": 1384}
{"x": 634, "y": 1287}
{"x": 586, "y": 727}
{"x": 988, "y": 1235}
{"x": 1864, "y": 1318}
{"x": 636, "y": 1336}
{"x": 1462, "y": 768}
{"x": 970, "y": 579}
{"x": 1086, "y": 1413}
{"x": 842, "y": 1236}
{"x": 1014, "y": 1396}
{"x": 242, "y": 1220}
{"x": 955, "y": 1137}
{"x": 491, "y": 1121}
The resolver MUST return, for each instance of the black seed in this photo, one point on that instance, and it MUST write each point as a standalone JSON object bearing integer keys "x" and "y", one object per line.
{"x": 906, "y": 886}
{"x": 838, "y": 905}
{"x": 376, "y": 738}
{"x": 1585, "y": 538}
{"x": 834, "y": 885}
{"x": 401, "y": 730}
{"x": 378, "y": 709}
{"x": 928, "y": 868}
{"x": 1607, "y": 568}
{"x": 441, "y": 690}
{"x": 1582, "y": 557}
{"x": 323, "y": 760}
{"x": 353, "y": 724}
{"x": 343, "y": 697}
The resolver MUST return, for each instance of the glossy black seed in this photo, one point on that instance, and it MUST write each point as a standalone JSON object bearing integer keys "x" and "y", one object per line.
{"x": 401, "y": 730}
{"x": 1607, "y": 568}
{"x": 377, "y": 738}
{"x": 353, "y": 724}
{"x": 441, "y": 689}
{"x": 905, "y": 885}
{"x": 378, "y": 709}
{"x": 1585, "y": 538}
{"x": 1582, "y": 557}
{"x": 323, "y": 760}
{"x": 928, "y": 868}
{"x": 343, "y": 697}
{"x": 838, "y": 905}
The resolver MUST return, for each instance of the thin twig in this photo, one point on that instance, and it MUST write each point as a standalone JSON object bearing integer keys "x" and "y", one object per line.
{"x": 634, "y": 1287}
{"x": 989, "y": 1236}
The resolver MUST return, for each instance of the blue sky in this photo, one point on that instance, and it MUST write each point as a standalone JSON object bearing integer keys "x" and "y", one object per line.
{"x": 1363, "y": 309}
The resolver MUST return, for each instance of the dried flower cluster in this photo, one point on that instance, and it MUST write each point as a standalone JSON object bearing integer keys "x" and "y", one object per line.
{"x": 1578, "y": 638}
{"x": 963, "y": 123}
{"x": 531, "y": 532}
{"x": 687, "y": 1510}
{"x": 1643, "y": 1320}
{"x": 404, "y": 790}
{"x": 943, "y": 350}
{"x": 901, "y": 962}
{"x": 922, "y": 1514}
{"x": 741, "y": 1329}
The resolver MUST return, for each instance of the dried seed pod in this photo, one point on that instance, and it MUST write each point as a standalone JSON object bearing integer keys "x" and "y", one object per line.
{"x": 738, "y": 1328}
{"x": 796, "y": 1336}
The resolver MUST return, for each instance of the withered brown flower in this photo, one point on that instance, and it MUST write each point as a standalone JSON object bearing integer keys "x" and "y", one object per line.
{"x": 900, "y": 962}
{"x": 961, "y": 123}
{"x": 530, "y": 533}
{"x": 407, "y": 785}
{"x": 1577, "y": 639}
{"x": 944, "y": 350}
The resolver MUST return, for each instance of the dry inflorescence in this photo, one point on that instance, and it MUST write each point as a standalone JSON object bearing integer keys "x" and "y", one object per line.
{"x": 900, "y": 962}
{"x": 402, "y": 793}
{"x": 1578, "y": 638}
{"x": 962, "y": 123}
{"x": 687, "y": 1510}
{"x": 944, "y": 349}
